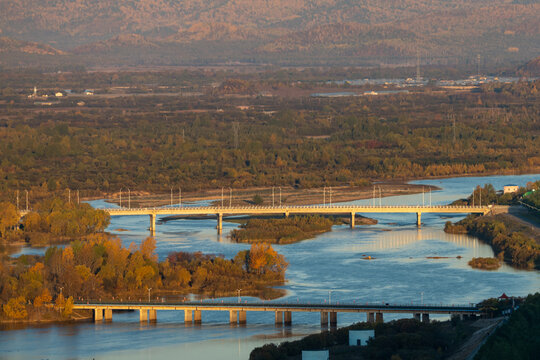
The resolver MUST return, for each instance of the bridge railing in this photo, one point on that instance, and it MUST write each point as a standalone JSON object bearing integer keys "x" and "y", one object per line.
{"x": 217, "y": 208}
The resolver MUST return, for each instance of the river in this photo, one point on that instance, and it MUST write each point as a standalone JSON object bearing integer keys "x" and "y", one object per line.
{"x": 399, "y": 273}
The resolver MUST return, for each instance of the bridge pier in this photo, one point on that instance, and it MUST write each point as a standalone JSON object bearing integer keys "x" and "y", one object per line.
{"x": 143, "y": 315}
{"x": 242, "y": 317}
{"x": 419, "y": 219}
{"x": 152, "y": 315}
{"x": 233, "y": 316}
{"x": 153, "y": 223}
{"x": 324, "y": 319}
{"x": 197, "y": 317}
{"x": 98, "y": 314}
{"x": 333, "y": 319}
{"x": 379, "y": 318}
{"x": 353, "y": 216}
{"x": 279, "y": 318}
{"x": 188, "y": 316}
{"x": 108, "y": 314}
{"x": 219, "y": 223}
{"x": 417, "y": 316}
{"x": 425, "y": 318}
{"x": 370, "y": 317}
{"x": 288, "y": 318}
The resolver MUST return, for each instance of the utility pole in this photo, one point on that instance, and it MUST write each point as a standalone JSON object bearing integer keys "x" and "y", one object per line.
{"x": 69, "y": 196}
{"x": 236, "y": 127}
{"x": 78, "y": 198}
{"x": 330, "y": 195}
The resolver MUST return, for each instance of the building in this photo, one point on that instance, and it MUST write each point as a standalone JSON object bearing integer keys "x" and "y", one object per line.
{"x": 360, "y": 337}
{"x": 315, "y": 355}
{"x": 510, "y": 189}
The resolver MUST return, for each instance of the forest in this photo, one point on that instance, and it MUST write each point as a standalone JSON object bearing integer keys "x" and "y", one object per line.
{"x": 51, "y": 221}
{"x": 518, "y": 338}
{"x": 240, "y": 140}
{"x": 514, "y": 247}
{"x": 399, "y": 339}
{"x": 101, "y": 268}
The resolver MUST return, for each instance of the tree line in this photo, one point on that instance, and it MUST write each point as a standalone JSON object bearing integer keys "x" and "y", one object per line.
{"x": 101, "y": 268}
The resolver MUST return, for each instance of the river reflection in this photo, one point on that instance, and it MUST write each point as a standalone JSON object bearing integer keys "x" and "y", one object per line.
{"x": 406, "y": 262}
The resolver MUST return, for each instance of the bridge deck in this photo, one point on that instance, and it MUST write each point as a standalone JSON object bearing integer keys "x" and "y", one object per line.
{"x": 272, "y": 307}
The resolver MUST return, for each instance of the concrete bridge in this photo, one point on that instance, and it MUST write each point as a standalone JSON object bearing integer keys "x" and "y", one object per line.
{"x": 349, "y": 210}
{"x": 283, "y": 311}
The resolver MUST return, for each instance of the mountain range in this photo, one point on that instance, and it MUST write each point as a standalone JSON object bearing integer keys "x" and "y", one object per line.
{"x": 272, "y": 31}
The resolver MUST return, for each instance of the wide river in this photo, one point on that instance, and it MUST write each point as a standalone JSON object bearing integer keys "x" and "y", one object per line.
{"x": 400, "y": 272}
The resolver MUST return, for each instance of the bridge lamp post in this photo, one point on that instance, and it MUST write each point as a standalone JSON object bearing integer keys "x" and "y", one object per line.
{"x": 239, "y": 299}
{"x": 121, "y": 198}
{"x": 230, "y": 197}
{"x": 330, "y": 195}
{"x": 149, "y": 289}
{"x": 324, "y": 196}
{"x": 422, "y": 298}
{"x": 129, "y": 198}
{"x": 26, "y": 199}
{"x": 222, "y": 197}
{"x": 179, "y": 197}
{"x": 330, "y": 297}
{"x": 171, "y": 197}
{"x": 280, "y": 196}
{"x": 17, "y": 200}
{"x": 272, "y": 196}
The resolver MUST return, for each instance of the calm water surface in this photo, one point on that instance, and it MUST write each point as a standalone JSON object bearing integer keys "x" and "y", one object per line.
{"x": 399, "y": 273}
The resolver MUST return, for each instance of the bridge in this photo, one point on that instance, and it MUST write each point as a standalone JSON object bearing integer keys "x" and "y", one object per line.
{"x": 283, "y": 311}
{"x": 349, "y": 210}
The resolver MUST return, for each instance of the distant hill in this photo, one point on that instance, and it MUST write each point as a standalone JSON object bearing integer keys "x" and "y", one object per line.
{"x": 279, "y": 30}
{"x": 532, "y": 68}
{"x": 28, "y": 47}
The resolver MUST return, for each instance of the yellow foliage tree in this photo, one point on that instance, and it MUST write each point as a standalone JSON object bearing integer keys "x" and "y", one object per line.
{"x": 16, "y": 308}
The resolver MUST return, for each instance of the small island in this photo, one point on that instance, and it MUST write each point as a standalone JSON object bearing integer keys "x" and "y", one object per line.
{"x": 290, "y": 229}
{"x": 485, "y": 263}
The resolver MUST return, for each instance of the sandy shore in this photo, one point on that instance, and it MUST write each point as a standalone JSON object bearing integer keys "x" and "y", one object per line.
{"x": 285, "y": 195}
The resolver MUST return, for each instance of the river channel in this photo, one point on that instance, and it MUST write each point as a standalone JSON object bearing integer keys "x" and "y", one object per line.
{"x": 401, "y": 271}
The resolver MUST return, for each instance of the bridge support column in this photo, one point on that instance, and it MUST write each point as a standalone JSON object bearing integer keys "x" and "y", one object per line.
{"x": 279, "y": 318}
{"x": 153, "y": 223}
{"x": 242, "y": 317}
{"x": 370, "y": 317}
{"x": 188, "y": 316}
{"x": 417, "y": 316}
{"x": 288, "y": 317}
{"x": 419, "y": 219}
{"x": 233, "y": 316}
{"x": 98, "y": 314}
{"x": 379, "y": 318}
{"x": 324, "y": 319}
{"x": 219, "y": 223}
{"x": 353, "y": 216}
{"x": 197, "y": 316}
{"x": 143, "y": 315}
{"x": 425, "y": 318}
{"x": 333, "y": 319}
{"x": 152, "y": 315}
{"x": 108, "y": 314}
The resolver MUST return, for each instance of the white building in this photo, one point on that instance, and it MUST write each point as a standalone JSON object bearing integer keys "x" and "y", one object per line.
{"x": 315, "y": 355}
{"x": 360, "y": 337}
{"x": 510, "y": 189}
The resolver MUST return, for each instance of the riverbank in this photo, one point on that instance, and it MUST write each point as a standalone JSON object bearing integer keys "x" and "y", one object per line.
{"x": 510, "y": 240}
{"x": 283, "y": 195}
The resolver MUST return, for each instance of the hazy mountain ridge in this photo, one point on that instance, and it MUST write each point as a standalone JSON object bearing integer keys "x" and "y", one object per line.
{"x": 259, "y": 28}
